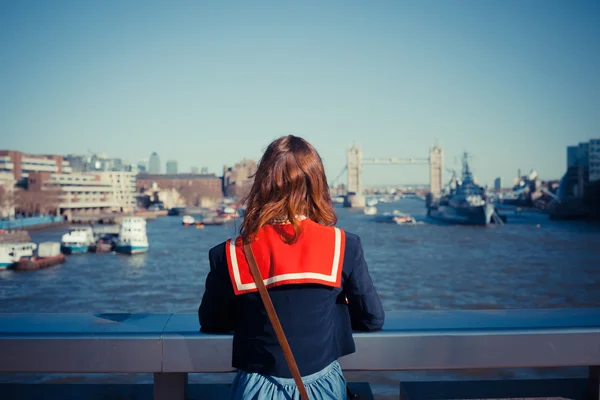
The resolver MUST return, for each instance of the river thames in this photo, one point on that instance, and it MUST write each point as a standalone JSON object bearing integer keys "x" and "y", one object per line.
{"x": 530, "y": 262}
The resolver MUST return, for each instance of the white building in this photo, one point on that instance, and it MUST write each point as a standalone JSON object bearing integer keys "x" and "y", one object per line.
{"x": 7, "y": 185}
{"x": 78, "y": 193}
{"x": 594, "y": 160}
{"x": 124, "y": 186}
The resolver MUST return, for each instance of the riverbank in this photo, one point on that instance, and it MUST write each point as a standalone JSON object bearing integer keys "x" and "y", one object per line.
{"x": 30, "y": 223}
{"x": 116, "y": 218}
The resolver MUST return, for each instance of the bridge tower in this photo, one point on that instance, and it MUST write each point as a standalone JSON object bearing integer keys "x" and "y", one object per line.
{"x": 354, "y": 169}
{"x": 354, "y": 197}
{"x": 436, "y": 170}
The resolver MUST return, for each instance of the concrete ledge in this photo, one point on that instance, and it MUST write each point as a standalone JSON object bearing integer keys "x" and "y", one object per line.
{"x": 575, "y": 389}
{"x": 81, "y": 343}
{"x": 171, "y": 346}
{"x": 426, "y": 340}
{"x": 74, "y": 391}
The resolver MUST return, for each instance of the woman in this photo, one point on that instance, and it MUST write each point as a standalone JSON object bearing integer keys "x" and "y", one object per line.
{"x": 316, "y": 274}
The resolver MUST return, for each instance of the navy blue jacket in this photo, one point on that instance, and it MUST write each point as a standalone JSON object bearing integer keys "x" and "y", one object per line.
{"x": 315, "y": 318}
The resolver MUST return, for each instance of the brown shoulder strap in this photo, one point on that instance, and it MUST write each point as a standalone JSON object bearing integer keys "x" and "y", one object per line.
{"x": 266, "y": 299}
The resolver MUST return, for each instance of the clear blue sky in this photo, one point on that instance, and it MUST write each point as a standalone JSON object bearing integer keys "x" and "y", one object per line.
{"x": 207, "y": 84}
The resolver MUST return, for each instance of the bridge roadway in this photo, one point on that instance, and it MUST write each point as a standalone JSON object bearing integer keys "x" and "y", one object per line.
{"x": 171, "y": 346}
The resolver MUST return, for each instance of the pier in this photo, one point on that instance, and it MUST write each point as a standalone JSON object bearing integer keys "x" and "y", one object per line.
{"x": 170, "y": 346}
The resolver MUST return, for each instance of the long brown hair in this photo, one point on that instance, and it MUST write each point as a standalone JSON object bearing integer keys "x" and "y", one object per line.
{"x": 290, "y": 181}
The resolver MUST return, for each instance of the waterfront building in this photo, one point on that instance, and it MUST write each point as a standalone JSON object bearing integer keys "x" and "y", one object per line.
{"x": 20, "y": 165}
{"x": 192, "y": 189}
{"x": 572, "y": 156}
{"x": 124, "y": 188}
{"x": 79, "y": 193}
{"x": 171, "y": 167}
{"x": 594, "y": 160}
{"x": 154, "y": 164}
{"x": 583, "y": 168}
{"x": 584, "y": 154}
{"x": 238, "y": 179}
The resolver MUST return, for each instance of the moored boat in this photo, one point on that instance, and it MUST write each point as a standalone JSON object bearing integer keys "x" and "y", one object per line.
{"x": 35, "y": 262}
{"x": 188, "y": 220}
{"x": 6, "y": 258}
{"x": 105, "y": 243}
{"x": 385, "y": 218}
{"x": 402, "y": 219}
{"x": 370, "y": 210}
{"x": 132, "y": 236}
{"x": 176, "y": 211}
{"x": 10, "y": 253}
{"x": 464, "y": 203}
{"x": 78, "y": 240}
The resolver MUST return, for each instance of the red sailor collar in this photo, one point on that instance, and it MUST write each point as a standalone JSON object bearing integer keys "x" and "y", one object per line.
{"x": 316, "y": 257}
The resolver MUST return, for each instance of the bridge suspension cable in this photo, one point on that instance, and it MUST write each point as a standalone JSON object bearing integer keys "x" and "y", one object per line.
{"x": 339, "y": 176}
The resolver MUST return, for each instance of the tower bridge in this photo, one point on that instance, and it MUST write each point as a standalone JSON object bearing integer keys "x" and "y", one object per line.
{"x": 355, "y": 163}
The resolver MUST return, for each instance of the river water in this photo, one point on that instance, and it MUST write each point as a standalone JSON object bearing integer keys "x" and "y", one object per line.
{"x": 530, "y": 262}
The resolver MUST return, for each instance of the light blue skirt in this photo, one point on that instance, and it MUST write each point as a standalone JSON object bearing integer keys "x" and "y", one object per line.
{"x": 329, "y": 383}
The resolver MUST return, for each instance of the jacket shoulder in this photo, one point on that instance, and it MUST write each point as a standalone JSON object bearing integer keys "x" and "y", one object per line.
{"x": 352, "y": 242}
{"x": 218, "y": 252}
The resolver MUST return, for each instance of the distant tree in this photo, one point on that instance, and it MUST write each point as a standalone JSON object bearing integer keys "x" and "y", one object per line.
{"x": 50, "y": 199}
{"x": 24, "y": 202}
{"x": 30, "y": 203}
{"x": 6, "y": 199}
{"x": 3, "y": 193}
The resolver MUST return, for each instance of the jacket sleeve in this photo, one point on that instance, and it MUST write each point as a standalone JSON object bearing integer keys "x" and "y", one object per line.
{"x": 366, "y": 311}
{"x": 216, "y": 312}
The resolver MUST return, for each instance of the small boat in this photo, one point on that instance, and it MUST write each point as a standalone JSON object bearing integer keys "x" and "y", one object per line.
{"x": 132, "y": 236}
{"x": 188, "y": 220}
{"x": 78, "y": 240}
{"x": 35, "y": 262}
{"x": 105, "y": 243}
{"x": 219, "y": 217}
{"x": 395, "y": 217}
{"x": 176, "y": 211}
{"x": 372, "y": 202}
{"x": 229, "y": 212}
{"x": 10, "y": 253}
{"x": 199, "y": 225}
{"x": 6, "y": 256}
{"x": 370, "y": 210}
{"x": 218, "y": 220}
{"x": 401, "y": 219}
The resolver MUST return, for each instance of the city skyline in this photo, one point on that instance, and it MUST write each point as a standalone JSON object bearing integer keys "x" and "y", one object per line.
{"x": 514, "y": 83}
